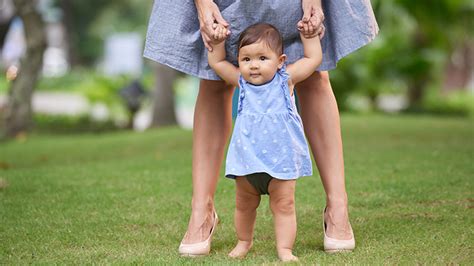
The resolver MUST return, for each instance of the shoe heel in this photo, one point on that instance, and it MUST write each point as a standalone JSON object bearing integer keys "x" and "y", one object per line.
{"x": 332, "y": 245}
{"x": 199, "y": 249}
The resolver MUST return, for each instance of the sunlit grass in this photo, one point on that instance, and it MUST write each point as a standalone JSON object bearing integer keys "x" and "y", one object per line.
{"x": 125, "y": 197}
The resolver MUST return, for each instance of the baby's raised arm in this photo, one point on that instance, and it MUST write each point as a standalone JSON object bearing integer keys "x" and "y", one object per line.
{"x": 304, "y": 67}
{"x": 227, "y": 71}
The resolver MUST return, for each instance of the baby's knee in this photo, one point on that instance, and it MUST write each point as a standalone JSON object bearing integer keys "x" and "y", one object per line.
{"x": 283, "y": 205}
{"x": 246, "y": 203}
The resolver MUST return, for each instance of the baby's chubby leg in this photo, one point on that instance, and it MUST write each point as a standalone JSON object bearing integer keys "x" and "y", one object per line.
{"x": 247, "y": 200}
{"x": 282, "y": 203}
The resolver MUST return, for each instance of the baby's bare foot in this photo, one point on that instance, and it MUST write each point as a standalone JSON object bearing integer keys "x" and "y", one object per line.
{"x": 286, "y": 255}
{"x": 241, "y": 249}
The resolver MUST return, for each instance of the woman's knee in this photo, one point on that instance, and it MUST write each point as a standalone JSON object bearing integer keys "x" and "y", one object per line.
{"x": 318, "y": 82}
{"x": 215, "y": 86}
{"x": 215, "y": 96}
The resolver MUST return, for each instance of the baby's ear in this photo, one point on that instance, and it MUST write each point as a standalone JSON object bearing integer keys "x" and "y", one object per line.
{"x": 281, "y": 60}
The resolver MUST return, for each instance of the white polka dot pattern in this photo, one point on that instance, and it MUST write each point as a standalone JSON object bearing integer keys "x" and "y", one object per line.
{"x": 268, "y": 135}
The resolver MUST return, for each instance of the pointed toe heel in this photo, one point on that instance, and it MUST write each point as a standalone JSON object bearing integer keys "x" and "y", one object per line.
{"x": 202, "y": 248}
{"x": 332, "y": 245}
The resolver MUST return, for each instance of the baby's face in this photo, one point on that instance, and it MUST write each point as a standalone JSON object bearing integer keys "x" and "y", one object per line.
{"x": 258, "y": 63}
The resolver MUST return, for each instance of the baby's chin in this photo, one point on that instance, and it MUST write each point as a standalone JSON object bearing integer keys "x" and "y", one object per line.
{"x": 257, "y": 81}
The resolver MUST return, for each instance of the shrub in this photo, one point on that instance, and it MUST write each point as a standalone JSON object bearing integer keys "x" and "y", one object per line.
{"x": 64, "y": 124}
{"x": 459, "y": 103}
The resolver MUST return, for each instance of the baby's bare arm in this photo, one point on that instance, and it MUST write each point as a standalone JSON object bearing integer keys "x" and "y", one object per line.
{"x": 227, "y": 71}
{"x": 304, "y": 67}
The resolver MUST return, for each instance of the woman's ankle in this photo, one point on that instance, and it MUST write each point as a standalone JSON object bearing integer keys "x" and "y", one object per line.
{"x": 202, "y": 205}
{"x": 337, "y": 201}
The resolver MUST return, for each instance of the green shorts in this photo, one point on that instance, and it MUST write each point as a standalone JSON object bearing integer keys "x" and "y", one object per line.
{"x": 260, "y": 182}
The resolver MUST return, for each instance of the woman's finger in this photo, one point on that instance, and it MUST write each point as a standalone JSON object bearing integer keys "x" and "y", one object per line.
{"x": 207, "y": 42}
{"x": 218, "y": 17}
{"x": 315, "y": 21}
{"x": 307, "y": 10}
{"x": 311, "y": 28}
{"x": 318, "y": 18}
{"x": 299, "y": 25}
{"x": 322, "y": 31}
{"x": 208, "y": 27}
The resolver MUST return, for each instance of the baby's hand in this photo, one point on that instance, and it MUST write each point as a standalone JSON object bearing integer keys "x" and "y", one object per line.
{"x": 309, "y": 30}
{"x": 220, "y": 33}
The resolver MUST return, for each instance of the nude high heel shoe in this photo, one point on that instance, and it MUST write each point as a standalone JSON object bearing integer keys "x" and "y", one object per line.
{"x": 332, "y": 245}
{"x": 201, "y": 248}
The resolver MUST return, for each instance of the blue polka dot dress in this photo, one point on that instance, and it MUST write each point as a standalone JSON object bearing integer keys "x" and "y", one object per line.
{"x": 268, "y": 133}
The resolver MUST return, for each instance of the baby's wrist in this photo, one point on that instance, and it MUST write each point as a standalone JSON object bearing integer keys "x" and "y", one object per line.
{"x": 217, "y": 42}
{"x": 307, "y": 35}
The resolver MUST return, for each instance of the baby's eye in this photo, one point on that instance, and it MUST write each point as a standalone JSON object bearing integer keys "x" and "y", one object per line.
{"x": 246, "y": 59}
{"x": 263, "y": 58}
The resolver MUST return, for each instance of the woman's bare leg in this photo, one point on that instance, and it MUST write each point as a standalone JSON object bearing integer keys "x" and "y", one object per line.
{"x": 211, "y": 130}
{"x": 321, "y": 122}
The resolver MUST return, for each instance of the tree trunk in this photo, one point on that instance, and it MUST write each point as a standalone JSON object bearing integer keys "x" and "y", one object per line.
{"x": 18, "y": 114}
{"x": 68, "y": 22}
{"x": 460, "y": 67}
{"x": 4, "y": 26}
{"x": 417, "y": 81}
{"x": 163, "y": 97}
{"x": 416, "y": 91}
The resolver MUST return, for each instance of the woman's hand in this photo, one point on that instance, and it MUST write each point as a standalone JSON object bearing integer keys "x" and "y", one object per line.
{"x": 209, "y": 16}
{"x": 311, "y": 25}
{"x": 219, "y": 34}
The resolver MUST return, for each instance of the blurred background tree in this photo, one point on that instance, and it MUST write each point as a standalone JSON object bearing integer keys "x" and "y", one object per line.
{"x": 18, "y": 112}
{"x": 89, "y": 21}
{"x": 95, "y": 19}
{"x": 421, "y": 44}
{"x": 423, "y": 55}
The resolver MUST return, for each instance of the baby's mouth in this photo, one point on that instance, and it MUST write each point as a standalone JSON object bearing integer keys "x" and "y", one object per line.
{"x": 254, "y": 75}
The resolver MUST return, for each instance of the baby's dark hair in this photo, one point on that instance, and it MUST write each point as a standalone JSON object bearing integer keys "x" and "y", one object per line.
{"x": 262, "y": 32}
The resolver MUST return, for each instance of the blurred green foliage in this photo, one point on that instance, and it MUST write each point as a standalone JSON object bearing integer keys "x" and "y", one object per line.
{"x": 95, "y": 87}
{"x": 100, "y": 89}
{"x": 415, "y": 42}
{"x": 458, "y": 103}
{"x": 66, "y": 124}
{"x": 69, "y": 82}
{"x": 3, "y": 84}
{"x": 81, "y": 78}
{"x": 409, "y": 56}
{"x": 88, "y": 22}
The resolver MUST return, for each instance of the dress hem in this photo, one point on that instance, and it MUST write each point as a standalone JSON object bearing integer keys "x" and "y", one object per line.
{"x": 162, "y": 59}
{"x": 280, "y": 177}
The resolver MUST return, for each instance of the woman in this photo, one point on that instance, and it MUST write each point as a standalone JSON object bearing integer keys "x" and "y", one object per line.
{"x": 178, "y": 35}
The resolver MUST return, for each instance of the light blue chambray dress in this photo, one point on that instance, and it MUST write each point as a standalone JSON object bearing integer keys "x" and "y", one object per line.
{"x": 174, "y": 39}
{"x": 268, "y": 134}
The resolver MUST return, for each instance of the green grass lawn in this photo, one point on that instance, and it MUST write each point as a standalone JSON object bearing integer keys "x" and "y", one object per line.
{"x": 125, "y": 197}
